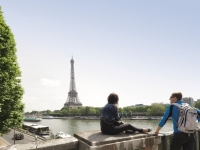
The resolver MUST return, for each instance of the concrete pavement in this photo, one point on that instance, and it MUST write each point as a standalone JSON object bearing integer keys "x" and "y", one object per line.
{"x": 3, "y": 142}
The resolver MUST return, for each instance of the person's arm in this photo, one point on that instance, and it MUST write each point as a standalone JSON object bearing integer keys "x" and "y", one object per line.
{"x": 198, "y": 115}
{"x": 167, "y": 114}
{"x": 158, "y": 129}
{"x": 115, "y": 112}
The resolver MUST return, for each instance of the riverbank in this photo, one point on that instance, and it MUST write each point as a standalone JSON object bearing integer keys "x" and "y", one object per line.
{"x": 97, "y": 118}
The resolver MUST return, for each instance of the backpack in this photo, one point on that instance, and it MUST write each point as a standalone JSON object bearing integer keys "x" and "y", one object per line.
{"x": 187, "y": 121}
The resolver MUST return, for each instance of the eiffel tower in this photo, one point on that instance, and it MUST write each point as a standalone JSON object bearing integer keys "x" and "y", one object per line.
{"x": 72, "y": 99}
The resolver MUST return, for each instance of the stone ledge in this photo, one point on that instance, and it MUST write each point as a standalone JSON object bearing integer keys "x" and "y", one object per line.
{"x": 96, "y": 138}
{"x": 58, "y": 144}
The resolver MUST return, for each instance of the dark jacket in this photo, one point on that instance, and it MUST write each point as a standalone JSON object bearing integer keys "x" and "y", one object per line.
{"x": 110, "y": 113}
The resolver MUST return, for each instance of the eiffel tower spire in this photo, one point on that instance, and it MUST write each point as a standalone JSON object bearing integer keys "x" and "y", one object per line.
{"x": 72, "y": 99}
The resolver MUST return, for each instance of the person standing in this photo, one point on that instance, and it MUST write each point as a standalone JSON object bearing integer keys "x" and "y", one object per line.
{"x": 179, "y": 139}
{"x": 110, "y": 119}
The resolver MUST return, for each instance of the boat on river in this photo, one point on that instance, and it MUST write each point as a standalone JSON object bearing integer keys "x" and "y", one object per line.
{"x": 37, "y": 129}
{"x": 61, "y": 135}
{"x": 32, "y": 119}
{"x": 47, "y": 117}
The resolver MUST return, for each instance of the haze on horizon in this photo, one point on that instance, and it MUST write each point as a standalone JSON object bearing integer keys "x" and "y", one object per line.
{"x": 143, "y": 51}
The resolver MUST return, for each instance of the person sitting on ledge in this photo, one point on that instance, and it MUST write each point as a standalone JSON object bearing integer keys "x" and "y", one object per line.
{"x": 111, "y": 121}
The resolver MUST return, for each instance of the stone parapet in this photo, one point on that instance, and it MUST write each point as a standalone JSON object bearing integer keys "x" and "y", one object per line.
{"x": 95, "y": 140}
{"x": 70, "y": 143}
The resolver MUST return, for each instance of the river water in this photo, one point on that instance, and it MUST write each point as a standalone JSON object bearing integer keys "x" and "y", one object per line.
{"x": 74, "y": 126}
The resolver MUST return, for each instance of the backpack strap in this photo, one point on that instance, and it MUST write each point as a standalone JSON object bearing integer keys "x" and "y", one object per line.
{"x": 171, "y": 112}
{"x": 178, "y": 105}
{"x": 175, "y": 121}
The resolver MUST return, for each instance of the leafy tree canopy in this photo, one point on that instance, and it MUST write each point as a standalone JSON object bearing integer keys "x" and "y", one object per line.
{"x": 11, "y": 92}
{"x": 197, "y": 105}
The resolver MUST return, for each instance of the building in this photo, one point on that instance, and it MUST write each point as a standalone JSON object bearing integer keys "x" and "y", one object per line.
{"x": 136, "y": 105}
{"x": 188, "y": 100}
{"x": 139, "y": 105}
{"x": 160, "y": 103}
{"x": 72, "y": 99}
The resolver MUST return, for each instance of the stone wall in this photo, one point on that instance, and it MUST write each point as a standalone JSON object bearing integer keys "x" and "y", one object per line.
{"x": 55, "y": 144}
{"x": 95, "y": 140}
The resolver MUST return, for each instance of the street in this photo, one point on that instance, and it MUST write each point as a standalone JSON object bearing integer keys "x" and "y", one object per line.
{"x": 9, "y": 138}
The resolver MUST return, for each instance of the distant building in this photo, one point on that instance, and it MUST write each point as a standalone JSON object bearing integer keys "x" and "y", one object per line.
{"x": 161, "y": 103}
{"x": 188, "y": 100}
{"x": 131, "y": 106}
{"x": 139, "y": 105}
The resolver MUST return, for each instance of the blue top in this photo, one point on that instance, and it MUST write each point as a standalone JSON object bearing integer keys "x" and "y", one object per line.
{"x": 110, "y": 113}
{"x": 172, "y": 111}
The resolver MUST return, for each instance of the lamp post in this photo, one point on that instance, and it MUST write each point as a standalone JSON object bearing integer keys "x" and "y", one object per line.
{"x": 36, "y": 137}
{"x": 14, "y": 136}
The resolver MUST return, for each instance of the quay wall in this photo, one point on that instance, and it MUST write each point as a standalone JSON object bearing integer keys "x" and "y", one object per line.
{"x": 95, "y": 140}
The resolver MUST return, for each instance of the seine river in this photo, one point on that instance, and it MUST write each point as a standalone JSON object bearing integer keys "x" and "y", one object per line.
{"x": 74, "y": 126}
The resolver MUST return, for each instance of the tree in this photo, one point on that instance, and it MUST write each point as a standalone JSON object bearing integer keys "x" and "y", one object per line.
{"x": 87, "y": 109}
{"x": 34, "y": 112}
{"x": 197, "y": 105}
{"x": 81, "y": 111}
{"x": 64, "y": 111}
{"x": 56, "y": 111}
{"x": 149, "y": 112}
{"x": 48, "y": 111}
{"x": 11, "y": 92}
{"x": 91, "y": 111}
{"x": 157, "y": 109}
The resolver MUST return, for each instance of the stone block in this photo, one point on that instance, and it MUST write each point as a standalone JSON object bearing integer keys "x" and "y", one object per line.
{"x": 70, "y": 143}
{"x": 95, "y": 140}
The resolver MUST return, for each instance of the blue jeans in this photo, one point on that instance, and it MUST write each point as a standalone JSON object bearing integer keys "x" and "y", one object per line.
{"x": 180, "y": 139}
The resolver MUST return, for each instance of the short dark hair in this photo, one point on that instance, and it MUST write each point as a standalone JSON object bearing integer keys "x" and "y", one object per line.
{"x": 113, "y": 98}
{"x": 178, "y": 95}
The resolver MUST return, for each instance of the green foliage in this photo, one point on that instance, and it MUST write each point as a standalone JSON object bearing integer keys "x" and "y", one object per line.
{"x": 153, "y": 110}
{"x": 11, "y": 92}
{"x": 156, "y": 110}
{"x": 34, "y": 112}
{"x": 81, "y": 111}
{"x": 48, "y": 111}
{"x": 149, "y": 112}
{"x": 56, "y": 111}
{"x": 136, "y": 109}
{"x": 197, "y": 105}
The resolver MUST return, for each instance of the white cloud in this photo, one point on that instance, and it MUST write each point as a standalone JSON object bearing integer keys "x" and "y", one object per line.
{"x": 50, "y": 83}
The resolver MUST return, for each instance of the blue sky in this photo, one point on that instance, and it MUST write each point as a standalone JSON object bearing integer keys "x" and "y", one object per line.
{"x": 141, "y": 50}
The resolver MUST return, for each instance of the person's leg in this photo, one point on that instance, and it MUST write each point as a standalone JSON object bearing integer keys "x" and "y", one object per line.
{"x": 106, "y": 128}
{"x": 189, "y": 144}
{"x": 124, "y": 127}
{"x": 177, "y": 141}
